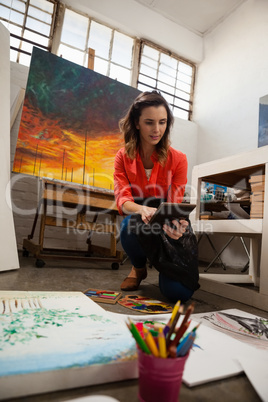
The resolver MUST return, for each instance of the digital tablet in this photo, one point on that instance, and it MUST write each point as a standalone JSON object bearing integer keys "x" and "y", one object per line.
{"x": 167, "y": 211}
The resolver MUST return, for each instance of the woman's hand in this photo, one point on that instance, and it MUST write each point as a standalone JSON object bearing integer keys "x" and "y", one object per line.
{"x": 146, "y": 213}
{"x": 177, "y": 232}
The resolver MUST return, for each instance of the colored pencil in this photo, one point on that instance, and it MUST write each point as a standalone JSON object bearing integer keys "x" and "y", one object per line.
{"x": 175, "y": 309}
{"x": 189, "y": 311}
{"x": 179, "y": 334}
{"x": 186, "y": 344}
{"x": 150, "y": 342}
{"x": 137, "y": 336}
{"x": 173, "y": 325}
{"x": 162, "y": 344}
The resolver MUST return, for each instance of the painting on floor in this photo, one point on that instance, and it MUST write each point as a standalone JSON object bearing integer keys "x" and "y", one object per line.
{"x": 58, "y": 340}
{"x": 69, "y": 125}
{"x": 263, "y": 122}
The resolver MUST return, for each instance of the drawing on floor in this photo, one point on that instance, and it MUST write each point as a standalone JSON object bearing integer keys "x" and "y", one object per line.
{"x": 239, "y": 323}
{"x": 69, "y": 125}
{"x": 145, "y": 305}
{"x": 263, "y": 122}
{"x": 58, "y": 333}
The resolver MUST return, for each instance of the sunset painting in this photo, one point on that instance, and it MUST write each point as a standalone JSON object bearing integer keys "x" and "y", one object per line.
{"x": 69, "y": 125}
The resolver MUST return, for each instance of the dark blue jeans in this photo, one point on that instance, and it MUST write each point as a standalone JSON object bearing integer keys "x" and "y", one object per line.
{"x": 171, "y": 289}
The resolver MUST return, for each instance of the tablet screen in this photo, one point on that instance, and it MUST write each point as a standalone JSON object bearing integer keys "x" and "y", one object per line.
{"x": 167, "y": 211}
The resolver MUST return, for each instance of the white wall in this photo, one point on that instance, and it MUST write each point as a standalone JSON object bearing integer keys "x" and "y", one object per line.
{"x": 230, "y": 80}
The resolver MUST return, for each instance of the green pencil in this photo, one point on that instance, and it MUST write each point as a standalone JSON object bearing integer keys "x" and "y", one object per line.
{"x": 137, "y": 336}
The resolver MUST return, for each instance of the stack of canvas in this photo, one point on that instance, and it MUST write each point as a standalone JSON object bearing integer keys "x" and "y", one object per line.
{"x": 257, "y": 196}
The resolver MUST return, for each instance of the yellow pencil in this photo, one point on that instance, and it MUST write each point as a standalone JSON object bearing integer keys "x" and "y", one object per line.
{"x": 175, "y": 309}
{"x": 148, "y": 337}
{"x": 162, "y": 344}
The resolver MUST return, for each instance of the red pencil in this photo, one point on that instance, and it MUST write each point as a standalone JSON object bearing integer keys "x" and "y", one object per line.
{"x": 181, "y": 331}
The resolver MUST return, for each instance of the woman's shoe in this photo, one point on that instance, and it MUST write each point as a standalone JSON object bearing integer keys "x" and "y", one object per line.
{"x": 131, "y": 283}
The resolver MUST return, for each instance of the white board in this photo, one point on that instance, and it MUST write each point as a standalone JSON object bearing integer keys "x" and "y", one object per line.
{"x": 9, "y": 254}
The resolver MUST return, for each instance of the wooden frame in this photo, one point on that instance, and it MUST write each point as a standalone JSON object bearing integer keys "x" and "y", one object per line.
{"x": 81, "y": 199}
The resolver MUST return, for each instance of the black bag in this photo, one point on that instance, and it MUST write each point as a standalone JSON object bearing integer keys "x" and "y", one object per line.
{"x": 177, "y": 259}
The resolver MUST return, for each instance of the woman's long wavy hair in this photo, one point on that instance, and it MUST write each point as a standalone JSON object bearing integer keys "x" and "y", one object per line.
{"x": 131, "y": 134}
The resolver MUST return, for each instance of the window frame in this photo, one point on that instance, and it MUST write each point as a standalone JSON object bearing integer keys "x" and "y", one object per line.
{"x": 54, "y": 42}
{"x": 24, "y": 28}
{"x": 144, "y": 42}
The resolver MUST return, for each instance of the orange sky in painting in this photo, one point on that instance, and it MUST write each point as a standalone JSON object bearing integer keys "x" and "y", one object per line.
{"x": 46, "y": 149}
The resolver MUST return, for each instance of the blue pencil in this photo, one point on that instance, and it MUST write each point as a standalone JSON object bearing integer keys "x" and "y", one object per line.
{"x": 186, "y": 344}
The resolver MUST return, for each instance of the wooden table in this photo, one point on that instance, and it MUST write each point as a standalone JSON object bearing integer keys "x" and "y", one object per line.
{"x": 79, "y": 199}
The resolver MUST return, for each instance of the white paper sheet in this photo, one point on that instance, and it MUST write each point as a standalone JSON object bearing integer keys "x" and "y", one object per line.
{"x": 257, "y": 372}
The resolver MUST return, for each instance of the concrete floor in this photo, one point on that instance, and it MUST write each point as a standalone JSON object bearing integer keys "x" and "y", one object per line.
{"x": 62, "y": 275}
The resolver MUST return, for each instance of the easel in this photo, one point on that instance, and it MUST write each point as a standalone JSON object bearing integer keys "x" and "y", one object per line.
{"x": 80, "y": 199}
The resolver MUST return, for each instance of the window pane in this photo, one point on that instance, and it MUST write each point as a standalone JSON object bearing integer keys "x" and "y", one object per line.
{"x": 36, "y": 38}
{"x": 14, "y": 42}
{"x": 14, "y": 29}
{"x": 7, "y": 2}
{"x": 13, "y": 16}
{"x": 167, "y": 70}
{"x": 169, "y": 98}
{"x": 164, "y": 87}
{"x": 120, "y": 74}
{"x": 148, "y": 71}
{"x": 149, "y": 62}
{"x": 99, "y": 39}
{"x": 25, "y": 59}
{"x": 183, "y": 86}
{"x": 181, "y": 114}
{"x": 15, "y": 5}
{"x": 39, "y": 15}
{"x": 182, "y": 104}
{"x": 101, "y": 66}
{"x": 185, "y": 68}
{"x": 150, "y": 52}
{"x": 182, "y": 95}
{"x": 168, "y": 61}
{"x": 149, "y": 81}
{"x": 74, "y": 29}
{"x": 70, "y": 54}
{"x": 38, "y": 26}
{"x": 166, "y": 79}
{"x": 184, "y": 78}
{"x": 43, "y": 5}
{"x": 143, "y": 87}
{"x": 27, "y": 47}
{"x": 13, "y": 55}
{"x": 122, "y": 49}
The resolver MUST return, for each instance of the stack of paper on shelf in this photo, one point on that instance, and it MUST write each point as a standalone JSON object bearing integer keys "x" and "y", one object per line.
{"x": 257, "y": 196}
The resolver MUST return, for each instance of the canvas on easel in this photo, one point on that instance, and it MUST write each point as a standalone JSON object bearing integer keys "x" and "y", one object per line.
{"x": 69, "y": 124}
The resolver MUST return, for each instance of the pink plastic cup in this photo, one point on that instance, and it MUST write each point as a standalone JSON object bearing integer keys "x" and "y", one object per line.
{"x": 159, "y": 379}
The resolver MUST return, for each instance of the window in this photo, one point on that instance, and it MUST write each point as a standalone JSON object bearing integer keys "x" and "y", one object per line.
{"x": 30, "y": 23}
{"x": 172, "y": 76}
{"x": 119, "y": 56}
{"x": 113, "y": 50}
